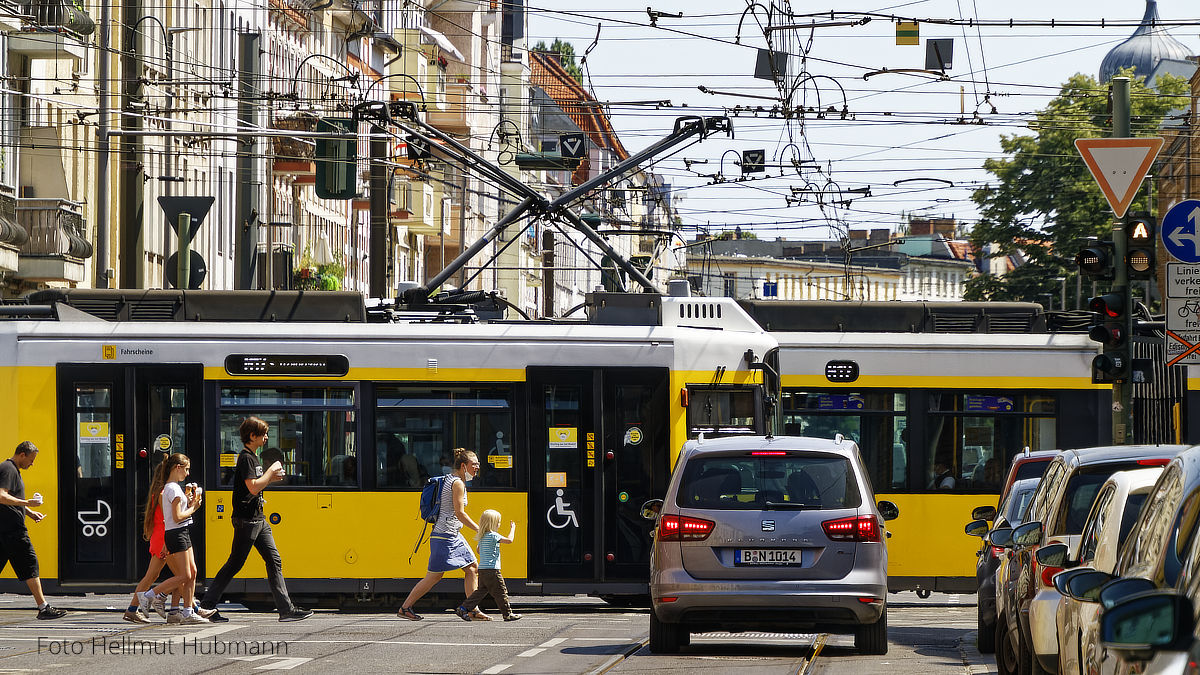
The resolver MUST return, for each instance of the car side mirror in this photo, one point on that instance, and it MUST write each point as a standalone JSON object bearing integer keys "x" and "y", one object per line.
{"x": 1027, "y": 534}
{"x": 1053, "y": 555}
{"x": 1143, "y": 623}
{"x": 1085, "y": 587}
{"x": 1116, "y": 590}
{"x": 983, "y": 513}
{"x": 651, "y": 508}
{"x": 1001, "y": 536}
{"x": 887, "y": 510}
{"x": 1062, "y": 579}
{"x": 976, "y": 528}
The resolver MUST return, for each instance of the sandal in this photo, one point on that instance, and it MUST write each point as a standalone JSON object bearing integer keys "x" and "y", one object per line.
{"x": 462, "y": 613}
{"x": 407, "y": 613}
{"x": 477, "y": 615}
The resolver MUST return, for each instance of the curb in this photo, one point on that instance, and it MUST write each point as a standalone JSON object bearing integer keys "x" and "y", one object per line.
{"x": 974, "y": 662}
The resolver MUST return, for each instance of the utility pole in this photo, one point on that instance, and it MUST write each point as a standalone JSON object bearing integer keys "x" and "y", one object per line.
{"x": 1122, "y": 388}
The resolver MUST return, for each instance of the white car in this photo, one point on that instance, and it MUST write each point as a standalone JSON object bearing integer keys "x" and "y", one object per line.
{"x": 1108, "y": 523}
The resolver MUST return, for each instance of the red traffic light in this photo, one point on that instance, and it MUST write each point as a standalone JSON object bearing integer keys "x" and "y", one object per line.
{"x": 1109, "y": 306}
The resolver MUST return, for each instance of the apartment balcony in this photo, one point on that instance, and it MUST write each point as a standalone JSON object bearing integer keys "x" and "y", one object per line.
{"x": 57, "y": 244}
{"x": 12, "y": 235}
{"x": 58, "y": 31}
{"x": 457, "y": 115}
{"x": 11, "y": 13}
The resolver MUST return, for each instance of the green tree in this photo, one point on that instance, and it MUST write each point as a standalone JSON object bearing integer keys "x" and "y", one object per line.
{"x": 1044, "y": 202}
{"x": 566, "y": 56}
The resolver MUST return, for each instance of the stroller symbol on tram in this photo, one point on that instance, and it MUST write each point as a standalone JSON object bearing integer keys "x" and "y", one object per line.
{"x": 95, "y": 523}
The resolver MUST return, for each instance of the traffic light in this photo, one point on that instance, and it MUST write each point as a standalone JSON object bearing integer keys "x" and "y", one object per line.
{"x": 1140, "y": 257}
{"x": 1096, "y": 260}
{"x": 1110, "y": 326}
{"x": 337, "y": 160}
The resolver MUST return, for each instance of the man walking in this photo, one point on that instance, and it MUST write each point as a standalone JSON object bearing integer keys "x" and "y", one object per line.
{"x": 250, "y": 528}
{"x": 15, "y": 546}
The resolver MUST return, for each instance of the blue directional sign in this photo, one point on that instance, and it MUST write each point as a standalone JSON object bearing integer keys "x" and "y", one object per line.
{"x": 1181, "y": 231}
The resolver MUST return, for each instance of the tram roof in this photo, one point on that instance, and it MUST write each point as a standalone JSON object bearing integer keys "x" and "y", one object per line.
{"x": 831, "y": 316}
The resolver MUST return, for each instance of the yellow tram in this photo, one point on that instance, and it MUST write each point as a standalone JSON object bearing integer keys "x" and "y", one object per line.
{"x": 577, "y": 423}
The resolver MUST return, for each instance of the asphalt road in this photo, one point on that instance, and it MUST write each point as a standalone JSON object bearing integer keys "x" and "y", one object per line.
{"x": 556, "y": 635}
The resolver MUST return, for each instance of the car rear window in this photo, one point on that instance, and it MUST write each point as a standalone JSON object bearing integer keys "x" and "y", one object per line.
{"x": 744, "y": 482}
{"x": 1082, "y": 489}
{"x": 1034, "y": 468}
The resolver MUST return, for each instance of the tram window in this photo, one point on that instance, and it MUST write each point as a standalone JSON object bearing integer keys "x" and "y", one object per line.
{"x": 417, "y": 428}
{"x": 93, "y": 416}
{"x": 313, "y": 433}
{"x": 728, "y": 410}
{"x": 875, "y": 420}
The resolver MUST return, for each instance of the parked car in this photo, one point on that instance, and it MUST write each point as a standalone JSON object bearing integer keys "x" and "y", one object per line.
{"x": 769, "y": 533}
{"x": 1028, "y": 464}
{"x": 1149, "y": 621}
{"x": 1107, "y": 527}
{"x": 1056, "y": 515}
{"x": 988, "y": 557}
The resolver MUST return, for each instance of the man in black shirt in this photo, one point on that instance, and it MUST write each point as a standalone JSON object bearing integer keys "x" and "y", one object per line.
{"x": 15, "y": 546}
{"x": 250, "y": 528}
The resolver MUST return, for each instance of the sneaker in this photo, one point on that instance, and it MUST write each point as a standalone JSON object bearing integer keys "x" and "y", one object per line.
{"x": 477, "y": 615}
{"x": 144, "y": 604}
{"x": 297, "y": 614}
{"x": 159, "y": 604}
{"x": 136, "y": 616}
{"x": 512, "y": 617}
{"x": 206, "y": 613}
{"x": 462, "y": 613}
{"x": 216, "y": 617}
{"x": 193, "y": 618}
{"x": 407, "y": 613}
{"x": 174, "y": 616}
{"x": 51, "y": 612}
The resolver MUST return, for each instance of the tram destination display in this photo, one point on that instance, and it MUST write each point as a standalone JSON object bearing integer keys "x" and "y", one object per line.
{"x": 295, "y": 365}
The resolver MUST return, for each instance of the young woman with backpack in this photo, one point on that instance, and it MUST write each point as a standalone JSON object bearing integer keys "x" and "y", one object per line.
{"x": 448, "y": 549}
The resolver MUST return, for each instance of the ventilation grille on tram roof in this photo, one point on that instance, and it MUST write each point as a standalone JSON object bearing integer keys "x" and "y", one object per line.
{"x": 225, "y": 306}
{"x": 699, "y": 309}
{"x": 154, "y": 309}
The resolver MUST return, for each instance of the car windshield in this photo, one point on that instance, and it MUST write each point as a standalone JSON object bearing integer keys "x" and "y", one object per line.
{"x": 1018, "y": 501}
{"x": 789, "y": 481}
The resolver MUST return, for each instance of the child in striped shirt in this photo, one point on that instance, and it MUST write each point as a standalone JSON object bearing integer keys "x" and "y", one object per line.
{"x": 490, "y": 580}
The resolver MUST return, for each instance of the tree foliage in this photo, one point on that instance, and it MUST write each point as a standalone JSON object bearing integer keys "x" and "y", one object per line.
{"x": 566, "y": 56}
{"x": 1043, "y": 202}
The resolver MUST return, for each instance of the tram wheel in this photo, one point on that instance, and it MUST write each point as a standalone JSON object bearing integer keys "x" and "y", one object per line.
{"x": 924, "y": 593}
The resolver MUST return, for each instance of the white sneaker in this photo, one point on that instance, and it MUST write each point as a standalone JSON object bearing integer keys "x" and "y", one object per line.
{"x": 175, "y": 616}
{"x": 193, "y": 618}
{"x": 204, "y": 612}
{"x": 159, "y": 604}
{"x": 144, "y": 603}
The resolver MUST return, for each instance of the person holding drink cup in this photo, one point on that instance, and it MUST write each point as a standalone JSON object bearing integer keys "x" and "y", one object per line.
{"x": 250, "y": 527}
{"x": 15, "y": 546}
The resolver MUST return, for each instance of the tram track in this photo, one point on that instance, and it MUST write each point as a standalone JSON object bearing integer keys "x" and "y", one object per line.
{"x": 807, "y": 661}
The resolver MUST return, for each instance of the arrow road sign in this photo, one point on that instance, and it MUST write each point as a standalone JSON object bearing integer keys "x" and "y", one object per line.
{"x": 572, "y": 145}
{"x": 1181, "y": 231}
{"x": 754, "y": 161}
{"x": 1119, "y": 165}
{"x": 196, "y": 207}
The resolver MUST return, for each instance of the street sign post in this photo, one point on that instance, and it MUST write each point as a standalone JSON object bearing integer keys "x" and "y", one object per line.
{"x": 1181, "y": 231}
{"x": 1119, "y": 165}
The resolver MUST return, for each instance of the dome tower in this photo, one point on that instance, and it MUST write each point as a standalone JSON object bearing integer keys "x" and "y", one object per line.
{"x": 1149, "y": 44}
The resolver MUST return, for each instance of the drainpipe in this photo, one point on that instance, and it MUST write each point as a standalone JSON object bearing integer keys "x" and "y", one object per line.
{"x": 100, "y": 261}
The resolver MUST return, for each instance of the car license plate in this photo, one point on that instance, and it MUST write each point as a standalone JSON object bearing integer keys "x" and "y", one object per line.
{"x": 768, "y": 556}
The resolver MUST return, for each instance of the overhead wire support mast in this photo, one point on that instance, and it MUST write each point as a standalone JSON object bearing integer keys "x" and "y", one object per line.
{"x": 686, "y": 128}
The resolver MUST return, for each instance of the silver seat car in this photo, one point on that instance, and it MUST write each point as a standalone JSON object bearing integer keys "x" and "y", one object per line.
{"x": 769, "y": 533}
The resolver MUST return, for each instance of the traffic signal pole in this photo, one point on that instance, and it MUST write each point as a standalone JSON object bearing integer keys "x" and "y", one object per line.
{"x": 1122, "y": 387}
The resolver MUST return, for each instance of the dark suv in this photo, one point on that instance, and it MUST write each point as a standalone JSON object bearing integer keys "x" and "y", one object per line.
{"x": 769, "y": 533}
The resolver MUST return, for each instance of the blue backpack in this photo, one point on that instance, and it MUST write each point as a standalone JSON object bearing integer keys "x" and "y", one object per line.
{"x": 431, "y": 499}
{"x": 431, "y": 506}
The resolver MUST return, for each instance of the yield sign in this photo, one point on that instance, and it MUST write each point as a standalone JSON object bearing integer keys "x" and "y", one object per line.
{"x": 1119, "y": 165}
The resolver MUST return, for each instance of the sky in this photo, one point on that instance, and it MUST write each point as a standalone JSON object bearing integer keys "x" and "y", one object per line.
{"x": 915, "y": 141}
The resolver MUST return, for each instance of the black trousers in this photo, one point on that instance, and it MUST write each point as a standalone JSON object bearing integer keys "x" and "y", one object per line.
{"x": 249, "y": 534}
{"x": 490, "y": 582}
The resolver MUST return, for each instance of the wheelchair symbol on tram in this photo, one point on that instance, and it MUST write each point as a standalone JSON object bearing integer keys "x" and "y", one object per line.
{"x": 559, "y": 510}
{"x": 95, "y": 522}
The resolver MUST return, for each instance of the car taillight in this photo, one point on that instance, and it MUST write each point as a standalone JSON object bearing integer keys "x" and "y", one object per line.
{"x": 996, "y": 551}
{"x": 1048, "y": 575}
{"x": 854, "y": 528}
{"x": 684, "y": 528}
{"x": 1153, "y": 462}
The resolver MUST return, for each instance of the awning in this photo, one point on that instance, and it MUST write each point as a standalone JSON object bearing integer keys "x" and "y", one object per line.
{"x": 444, "y": 43}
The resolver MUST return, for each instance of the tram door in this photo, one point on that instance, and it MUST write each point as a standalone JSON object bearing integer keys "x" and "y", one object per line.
{"x": 116, "y": 423}
{"x": 599, "y": 449}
